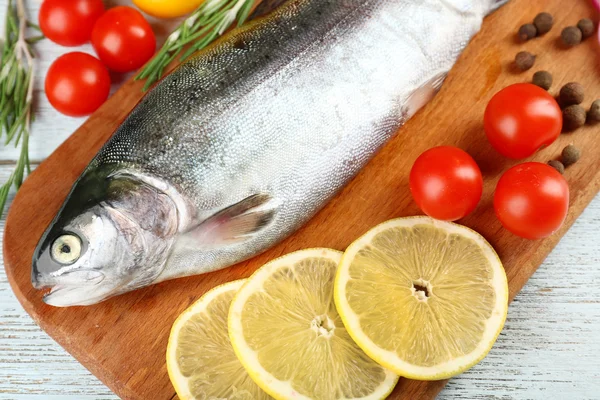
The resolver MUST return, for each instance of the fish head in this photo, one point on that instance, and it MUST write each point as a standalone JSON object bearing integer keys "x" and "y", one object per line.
{"x": 111, "y": 247}
{"x": 85, "y": 260}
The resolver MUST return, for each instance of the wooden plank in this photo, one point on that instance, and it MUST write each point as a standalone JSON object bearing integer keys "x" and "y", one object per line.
{"x": 550, "y": 347}
{"x": 100, "y": 336}
{"x": 531, "y": 359}
{"x": 32, "y": 365}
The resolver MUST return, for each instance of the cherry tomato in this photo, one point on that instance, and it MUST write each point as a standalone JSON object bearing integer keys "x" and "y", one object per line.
{"x": 69, "y": 23}
{"x": 77, "y": 84}
{"x": 123, "y": 39}
{"x": 520, "y": 119}
{"x": 531, "y": 200}
{"x": 446, "y": 183}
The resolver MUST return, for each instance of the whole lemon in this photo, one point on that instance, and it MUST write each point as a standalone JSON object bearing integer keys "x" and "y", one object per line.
{"x": 167, "y": 8}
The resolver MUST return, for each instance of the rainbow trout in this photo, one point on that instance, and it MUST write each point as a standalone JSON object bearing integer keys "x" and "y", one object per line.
{"x": 243, "y": 143}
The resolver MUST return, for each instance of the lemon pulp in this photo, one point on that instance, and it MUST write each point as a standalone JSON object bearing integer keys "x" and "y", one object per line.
{"x": 425, "y": 298}
{"x": 285, "y": 329}
{"x": 200, "y": 359}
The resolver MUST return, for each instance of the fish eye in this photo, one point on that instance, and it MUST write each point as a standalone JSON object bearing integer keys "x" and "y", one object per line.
{"x": 66, "y": 249}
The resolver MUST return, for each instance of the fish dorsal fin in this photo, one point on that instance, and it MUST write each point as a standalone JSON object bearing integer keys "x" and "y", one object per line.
{"x": 236, "y": 223}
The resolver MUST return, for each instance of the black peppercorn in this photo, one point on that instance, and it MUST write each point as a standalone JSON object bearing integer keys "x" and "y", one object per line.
{"x": 573, "y": 117}
{"x": 527, "y": 31}
{"x": 543, "y": 22}
{"x": 557, "y": 165}
{"x": 571, "y": 93}
{"x": 593, "y": 115}
{"x": 524, "y": 60}
{"x": 571, "y": 36}
{"x": 542, "y": 79}
{"x": 586, "y": 26}
{"x": 570, "y": 155}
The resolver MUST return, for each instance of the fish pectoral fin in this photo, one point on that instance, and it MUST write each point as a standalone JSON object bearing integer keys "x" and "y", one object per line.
{"x": 423, "y": 95}
{"x": 235, "y": 223}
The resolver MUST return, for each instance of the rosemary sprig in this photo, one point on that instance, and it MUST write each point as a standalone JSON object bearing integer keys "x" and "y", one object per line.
{"x": 16, "y": 91}
{"x": 200, "y": 29}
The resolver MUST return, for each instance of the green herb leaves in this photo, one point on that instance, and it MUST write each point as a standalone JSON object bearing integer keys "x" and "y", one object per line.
{"x": 200, "y": 29}
{"x": 16, "y": 91}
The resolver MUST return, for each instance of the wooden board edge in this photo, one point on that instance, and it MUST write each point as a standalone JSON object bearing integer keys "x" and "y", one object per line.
{"x": 582, "y": 200}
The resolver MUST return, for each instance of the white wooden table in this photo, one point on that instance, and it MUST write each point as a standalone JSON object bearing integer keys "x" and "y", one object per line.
{"x": 549, "y": 349}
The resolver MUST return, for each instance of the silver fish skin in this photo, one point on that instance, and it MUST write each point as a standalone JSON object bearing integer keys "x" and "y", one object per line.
{"x": 241, "y": 145}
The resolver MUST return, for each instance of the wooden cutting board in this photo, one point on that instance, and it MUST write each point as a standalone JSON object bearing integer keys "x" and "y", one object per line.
{"x": 123, "y": 340}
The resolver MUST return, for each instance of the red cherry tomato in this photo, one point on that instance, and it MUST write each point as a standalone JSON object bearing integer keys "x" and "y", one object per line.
{"x": 77, "y": 84}
{"x": 69, "y": 23}
{"x": 123, "y": 39}
{"x": 446, "y": 183}
{"x": 520, "y": 119}
{"x": 531, "y": 200}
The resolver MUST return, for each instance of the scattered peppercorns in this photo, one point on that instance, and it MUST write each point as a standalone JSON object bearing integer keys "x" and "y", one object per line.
{"x": 542, "y": 79}
{"x": 570, "y": 155}
{"x": 543, "y": 23}
{"x": 557, "y": 165}
{"x": 571, "y": 93}
{"x": 586, "y": 26}
{"x": 524, "y": 60}
{"x": 571, "y": 36}
{"x": 573, "y": 117}
{"x": 527, "y": 31}
{"x": 593, "y": 115}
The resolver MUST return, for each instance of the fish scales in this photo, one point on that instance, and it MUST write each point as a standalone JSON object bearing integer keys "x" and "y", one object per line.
{"x": 284, "y": 112}
{"x": 334, "y": 97}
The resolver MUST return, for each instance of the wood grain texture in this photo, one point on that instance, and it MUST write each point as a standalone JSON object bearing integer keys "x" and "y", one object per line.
{"x": 483, "y": 70}
{"x": 32, "y": 365}
{"x": 548, "y": 349}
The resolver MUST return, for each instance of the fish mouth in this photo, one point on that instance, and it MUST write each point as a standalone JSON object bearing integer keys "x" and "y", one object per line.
{"x": 67, "y": 296}
{"x": 70, "y": 288}
{"x": 69, "y": 278}
{"x": 56, "y": 290}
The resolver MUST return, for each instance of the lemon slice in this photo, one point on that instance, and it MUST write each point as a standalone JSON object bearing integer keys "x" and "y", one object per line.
{"x": 200, "y": 359}
{"x": 424, "y": 298}
{"x": 286, "y": 331}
